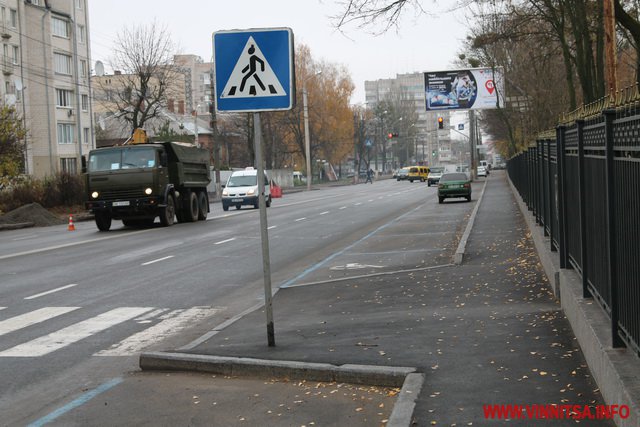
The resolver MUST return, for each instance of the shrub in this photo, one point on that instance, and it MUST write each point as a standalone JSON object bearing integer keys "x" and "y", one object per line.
{"x": 62, "y": 189}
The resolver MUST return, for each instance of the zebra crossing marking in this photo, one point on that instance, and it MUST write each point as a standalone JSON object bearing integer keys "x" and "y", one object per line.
{"x": 24, "y": 320}
{"x": 74, "y": 333}
{"x": 173, "y": 322}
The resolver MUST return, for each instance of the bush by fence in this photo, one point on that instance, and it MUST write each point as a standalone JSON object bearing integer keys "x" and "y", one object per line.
{"x": 62, "y": 189}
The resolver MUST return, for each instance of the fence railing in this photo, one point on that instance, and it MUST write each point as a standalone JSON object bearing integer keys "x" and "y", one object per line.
{"x": 583, "y": 187}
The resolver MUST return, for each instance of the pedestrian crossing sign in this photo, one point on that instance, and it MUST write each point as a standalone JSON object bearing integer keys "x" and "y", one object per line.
{"x": 254, "y": 70}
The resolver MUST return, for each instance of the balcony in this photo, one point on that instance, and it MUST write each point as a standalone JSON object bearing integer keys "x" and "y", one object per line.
{"x": 7, "y": 65}
{"x": 5, "y": 29}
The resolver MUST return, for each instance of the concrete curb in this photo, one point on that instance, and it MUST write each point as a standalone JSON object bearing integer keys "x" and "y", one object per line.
{"x": 384, "y": 376}
{"x": 16, "y": 226}
{"x": 462, "y": 245}
{"x": 614, "y": 370}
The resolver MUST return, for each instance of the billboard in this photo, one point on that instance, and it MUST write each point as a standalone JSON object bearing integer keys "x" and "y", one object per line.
{"x": 478, "y": 88}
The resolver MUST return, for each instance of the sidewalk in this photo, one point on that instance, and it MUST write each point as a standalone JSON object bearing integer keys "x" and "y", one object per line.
{"x": 488, "y": 331}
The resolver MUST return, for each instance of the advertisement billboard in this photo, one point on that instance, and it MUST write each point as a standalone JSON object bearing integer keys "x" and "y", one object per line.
{"x": 478, "y": 88}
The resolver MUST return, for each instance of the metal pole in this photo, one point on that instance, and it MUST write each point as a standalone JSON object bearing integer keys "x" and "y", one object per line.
{"x": 472, "y": 145}
{"x": 264, "y": 234}
{"x": 307, "y": 143}
{"x": 195, "y": 128}
{"x": 215, "y": 136}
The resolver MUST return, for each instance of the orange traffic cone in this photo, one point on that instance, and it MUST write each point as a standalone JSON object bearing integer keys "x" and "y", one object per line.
{"x": 71, "y": 227}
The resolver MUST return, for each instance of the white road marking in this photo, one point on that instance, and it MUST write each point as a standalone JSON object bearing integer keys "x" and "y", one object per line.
{"x": 272, "y": 227}
{"x": 61, "y": 288}
{"x": 157, "y": 260}
{"x": 357, "y": 204}
{"x": 370, "y": 200}
{"x": 300, "y": 219}
{"x": 323, "y": 213}
{"x": 28, "y": 236}
{"x": 343, "y": 207}
{"x": 31, "y": 318}
{"x": 74, "y": 333}
{"x": 2, "y": 308}
{"x": 225, "y": 241}
{"x": 174, "y": 322}
{"x": 147, "y": 316}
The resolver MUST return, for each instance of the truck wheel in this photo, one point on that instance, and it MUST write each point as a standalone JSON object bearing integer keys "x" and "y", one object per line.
{"x": 203, "y": 205}
{"x": 191, "y": 213}
{"x": 168, "y": 212}
{"x": 103, "y": 221}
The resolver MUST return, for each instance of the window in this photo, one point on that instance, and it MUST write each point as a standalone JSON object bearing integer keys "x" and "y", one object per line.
{"x": 85, "y": 102}
{"x": 83, "y": 68}
{"x": 63, "y": 98}
{"x": 79, "y": 4}
{"x": 62, "y": 63}
{"x": 16, "y": 54}
{"x": 65, "y": 133}
{"x": 13, "y": 18}
{"x": 82, "y": 36}
{"x": 86, "y": 133}
{"x": 69, "y": 165}
{"x": 60, "y": 27}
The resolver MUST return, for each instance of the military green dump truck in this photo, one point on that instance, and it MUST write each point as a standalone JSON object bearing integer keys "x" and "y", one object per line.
{"x": 139, "y": 181}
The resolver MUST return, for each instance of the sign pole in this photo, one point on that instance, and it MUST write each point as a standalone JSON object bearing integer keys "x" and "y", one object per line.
{"x": 266, "y": 264}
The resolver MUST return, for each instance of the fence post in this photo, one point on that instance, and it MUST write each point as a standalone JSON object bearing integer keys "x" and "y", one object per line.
{"x": 583, "y": 211}
{"x": 543, "y": 188}
{"x": 562, "y": 198}
{"x": 552, "y": 211}
{"x": 609, "y": 116}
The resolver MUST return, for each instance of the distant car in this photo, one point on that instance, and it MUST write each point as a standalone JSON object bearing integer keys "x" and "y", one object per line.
{"x": 418, "y": 173}
{"x": 403, "y": 174}
{"x": 452, "y": 185}
{"x": 434, "y": 175}
{"x": 482, "y": 171}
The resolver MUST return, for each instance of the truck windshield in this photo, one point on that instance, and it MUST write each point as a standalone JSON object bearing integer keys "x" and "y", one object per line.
{"x": 242, "y": 181}
{"x": 122, "y": 158}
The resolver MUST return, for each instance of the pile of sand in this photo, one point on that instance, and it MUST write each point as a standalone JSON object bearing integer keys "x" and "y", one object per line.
{"x": 33, "y": 213}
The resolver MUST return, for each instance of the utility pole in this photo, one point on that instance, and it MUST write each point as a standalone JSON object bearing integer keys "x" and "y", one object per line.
{"x": 213, "y": 124}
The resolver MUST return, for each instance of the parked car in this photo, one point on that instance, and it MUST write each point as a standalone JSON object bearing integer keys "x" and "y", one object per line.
{"x": 434, "y": 175}
{"x": 418, "y": 173}
{"x": 481, "y": 171}
{"x": 453, "y": 185}
{"x": 403, "y": 174}
{"x": 242, "y": 189}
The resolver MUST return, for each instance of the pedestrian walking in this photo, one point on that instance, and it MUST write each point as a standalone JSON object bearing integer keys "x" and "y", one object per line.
{"x": 369, "y": 176}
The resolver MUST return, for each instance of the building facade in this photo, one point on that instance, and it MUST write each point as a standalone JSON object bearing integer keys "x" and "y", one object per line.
{"x": 432, "y": 146}
{"x": 45, "y": 75}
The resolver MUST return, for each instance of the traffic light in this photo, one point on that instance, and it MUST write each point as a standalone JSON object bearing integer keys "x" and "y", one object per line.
{"x": 440, "y": 123}
{"x": 433, "y": 153}
{"x": 392, "y": 135}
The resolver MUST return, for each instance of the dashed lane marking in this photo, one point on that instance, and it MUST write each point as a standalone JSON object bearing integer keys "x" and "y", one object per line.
{"x": 61, "y": 288}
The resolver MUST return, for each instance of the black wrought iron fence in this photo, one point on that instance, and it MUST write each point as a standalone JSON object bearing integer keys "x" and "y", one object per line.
{"x": 582, "y": 184}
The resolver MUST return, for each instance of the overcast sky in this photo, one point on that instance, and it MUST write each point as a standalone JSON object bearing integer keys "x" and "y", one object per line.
{"x": 422, "y": 43}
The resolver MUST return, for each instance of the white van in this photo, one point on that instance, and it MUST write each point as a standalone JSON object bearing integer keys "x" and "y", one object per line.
{"x": 242, "y": 189}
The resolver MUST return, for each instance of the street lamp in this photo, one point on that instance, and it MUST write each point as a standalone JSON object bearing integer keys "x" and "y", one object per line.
{"x": 307, "y": 143}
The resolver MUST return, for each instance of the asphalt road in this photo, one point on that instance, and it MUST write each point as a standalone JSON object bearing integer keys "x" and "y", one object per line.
{"x": 76, "y": 308}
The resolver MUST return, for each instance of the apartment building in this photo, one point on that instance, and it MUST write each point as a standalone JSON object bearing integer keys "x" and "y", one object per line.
{"x": 198, "y": 74}
{"x": 432, "y": 146}
{"x": 45, "y": 75}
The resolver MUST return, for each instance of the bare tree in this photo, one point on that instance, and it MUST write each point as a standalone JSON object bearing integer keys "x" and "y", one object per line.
{"x": 145, "y": 79}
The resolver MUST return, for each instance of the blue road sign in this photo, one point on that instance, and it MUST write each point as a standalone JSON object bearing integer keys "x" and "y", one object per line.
{"x": 253, "y": 70}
